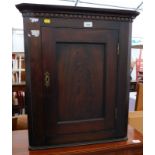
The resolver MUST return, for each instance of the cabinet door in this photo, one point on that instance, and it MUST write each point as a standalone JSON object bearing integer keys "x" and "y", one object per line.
{"x": 80, "y": 74}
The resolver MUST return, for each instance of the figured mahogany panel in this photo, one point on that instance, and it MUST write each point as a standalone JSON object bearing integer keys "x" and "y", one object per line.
{"x": 80, "y": 81}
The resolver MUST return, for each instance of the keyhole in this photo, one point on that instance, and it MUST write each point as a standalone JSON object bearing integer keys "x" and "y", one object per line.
{"x": 47, "y": 79}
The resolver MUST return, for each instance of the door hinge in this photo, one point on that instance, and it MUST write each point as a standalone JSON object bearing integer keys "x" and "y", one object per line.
{"x": 118, "y": 49}
{"x": 116, "y": 113}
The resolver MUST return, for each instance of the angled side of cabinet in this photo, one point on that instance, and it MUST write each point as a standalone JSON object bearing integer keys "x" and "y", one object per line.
{"x": 77, "y": 63}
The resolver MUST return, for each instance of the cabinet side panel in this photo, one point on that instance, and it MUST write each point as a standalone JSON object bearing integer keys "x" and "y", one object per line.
{"x": 34, "y": 83}
{"x": 123, "y": 77}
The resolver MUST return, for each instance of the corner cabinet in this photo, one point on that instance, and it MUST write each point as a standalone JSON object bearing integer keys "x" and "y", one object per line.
{"x": 77, "y": 74}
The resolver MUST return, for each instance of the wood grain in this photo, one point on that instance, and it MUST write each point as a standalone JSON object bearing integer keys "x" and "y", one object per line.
{"x": 80, "y": 105}
{"x": 20, "y": 146}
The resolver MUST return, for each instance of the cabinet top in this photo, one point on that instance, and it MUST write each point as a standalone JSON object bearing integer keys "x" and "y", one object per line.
{"x": 42, "y": 10}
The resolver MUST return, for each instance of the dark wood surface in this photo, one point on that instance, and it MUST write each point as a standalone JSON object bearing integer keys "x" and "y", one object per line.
{"x": 26, "y": 7}
{"x": 20, "y": 146}
{"x": 86, "y": 96}
{"x": 85, "y": 67}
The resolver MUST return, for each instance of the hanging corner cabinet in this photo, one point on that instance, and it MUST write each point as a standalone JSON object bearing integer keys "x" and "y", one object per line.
{"x": 77, "y": 74}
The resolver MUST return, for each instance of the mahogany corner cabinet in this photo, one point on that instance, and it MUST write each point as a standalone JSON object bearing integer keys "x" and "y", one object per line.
{"x": 77, "y": 74}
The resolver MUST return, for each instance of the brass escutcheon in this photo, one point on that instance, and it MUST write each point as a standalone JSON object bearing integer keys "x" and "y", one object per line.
{"x": 47, "y": 79}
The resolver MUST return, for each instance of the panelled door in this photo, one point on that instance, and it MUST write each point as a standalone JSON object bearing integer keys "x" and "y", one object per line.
{"x": 80, "y": 74}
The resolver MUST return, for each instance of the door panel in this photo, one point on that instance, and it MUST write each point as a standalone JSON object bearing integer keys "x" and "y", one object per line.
{"x": 82, "y": 97}
{"x": 80, "y": 81}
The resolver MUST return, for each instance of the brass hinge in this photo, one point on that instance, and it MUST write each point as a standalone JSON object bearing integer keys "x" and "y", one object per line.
{"x": 118, "y": 49}
{"x": 116, "y": 113}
